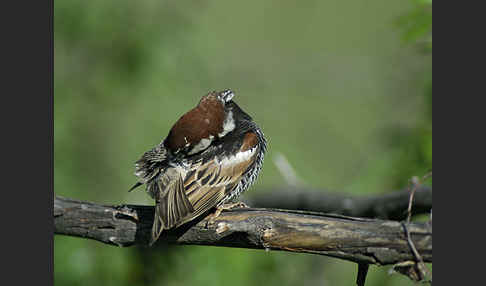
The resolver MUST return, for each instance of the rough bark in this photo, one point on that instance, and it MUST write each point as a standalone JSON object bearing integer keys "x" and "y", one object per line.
{"x": 365, "y": 241}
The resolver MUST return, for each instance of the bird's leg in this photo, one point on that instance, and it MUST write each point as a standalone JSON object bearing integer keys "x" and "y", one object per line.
{"x": 219, "y": 209}
{"x": 233, "y": 205}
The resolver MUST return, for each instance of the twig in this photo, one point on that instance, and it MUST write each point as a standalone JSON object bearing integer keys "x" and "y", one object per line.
{"x": 362, "y": 272}
{"x": 286, "y": 170}
{"x": 422, "y": 269}
{"x": 416, "y": 182}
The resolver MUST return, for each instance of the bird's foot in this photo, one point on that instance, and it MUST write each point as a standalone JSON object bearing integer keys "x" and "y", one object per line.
{"x": 233, "y": 205}
{"x": 219, "y": 209}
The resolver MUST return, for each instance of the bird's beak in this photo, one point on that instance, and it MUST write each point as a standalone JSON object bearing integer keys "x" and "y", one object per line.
{"x": 227, "y": 95}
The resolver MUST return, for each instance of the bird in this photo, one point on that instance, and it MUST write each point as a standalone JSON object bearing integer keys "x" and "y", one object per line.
{"x": 211, "y": 155}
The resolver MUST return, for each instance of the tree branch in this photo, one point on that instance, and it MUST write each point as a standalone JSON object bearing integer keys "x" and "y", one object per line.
{"x": 392, "y": 205}
{"x": 368, "y": 241}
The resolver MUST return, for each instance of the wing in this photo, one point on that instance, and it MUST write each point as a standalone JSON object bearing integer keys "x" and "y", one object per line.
{"x": 208, "y": 184}
{"x": 183, "y": 194}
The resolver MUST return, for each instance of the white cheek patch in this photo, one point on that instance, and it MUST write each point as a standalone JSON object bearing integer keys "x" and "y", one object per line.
{"x": 228, "y": 124}
{"x": 238, "y": 158}
{"x": 203, "y": 144}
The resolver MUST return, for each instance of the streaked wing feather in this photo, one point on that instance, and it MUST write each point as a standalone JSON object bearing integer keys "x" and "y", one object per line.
{"x": 217, "y": 181}
{"x": 172, "y": 203}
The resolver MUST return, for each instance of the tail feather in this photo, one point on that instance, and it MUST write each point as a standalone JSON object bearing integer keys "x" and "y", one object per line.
{"x": 172, "y": 206}
{"x": 135, "y": 186}
{"x": 147, "y": 167}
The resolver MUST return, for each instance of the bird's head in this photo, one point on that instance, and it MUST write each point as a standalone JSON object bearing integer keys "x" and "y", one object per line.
{"x": 214, "y": 117}
{"x": 216, "y": 99}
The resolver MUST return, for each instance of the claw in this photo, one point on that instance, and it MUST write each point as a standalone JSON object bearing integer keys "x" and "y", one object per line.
{"x": 219, "y": 209}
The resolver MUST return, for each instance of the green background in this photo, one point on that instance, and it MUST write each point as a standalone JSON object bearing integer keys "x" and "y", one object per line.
{"x": 343, "y": 89}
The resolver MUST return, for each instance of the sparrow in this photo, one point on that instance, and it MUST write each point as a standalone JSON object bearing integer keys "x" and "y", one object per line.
{"x": 212, "y": 154}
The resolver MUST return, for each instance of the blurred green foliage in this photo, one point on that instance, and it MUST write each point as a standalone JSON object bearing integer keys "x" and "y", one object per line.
{"x": 332, "y": 84}
{"x": 417, "y": 24}
{"x": 414, "y": 155}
